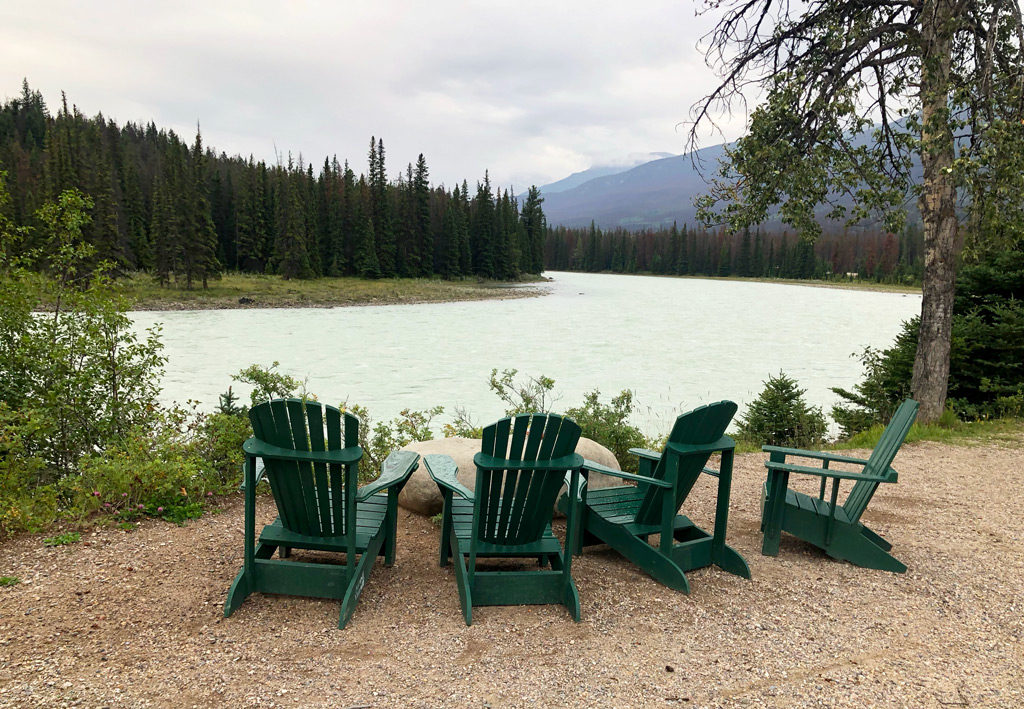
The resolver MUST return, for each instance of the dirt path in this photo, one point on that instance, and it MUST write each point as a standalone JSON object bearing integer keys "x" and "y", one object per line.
{"x": 135, "y": 619}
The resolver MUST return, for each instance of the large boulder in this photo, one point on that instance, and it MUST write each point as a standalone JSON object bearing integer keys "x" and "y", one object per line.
{"x": 421, "y": 495}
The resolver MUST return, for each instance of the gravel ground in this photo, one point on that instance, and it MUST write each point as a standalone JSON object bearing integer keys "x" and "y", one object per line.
{"x": 134, "y": 619}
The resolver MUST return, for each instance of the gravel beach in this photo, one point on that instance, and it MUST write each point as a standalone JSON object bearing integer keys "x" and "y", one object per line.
{"x": 135, "y": 619}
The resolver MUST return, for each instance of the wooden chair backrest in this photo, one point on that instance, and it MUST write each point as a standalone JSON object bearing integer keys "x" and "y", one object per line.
{"x": 515, "y": 506}
{"x": 703, "y": 425}
{"x": 310, "y": 497}
{"x": 881, "y": 459}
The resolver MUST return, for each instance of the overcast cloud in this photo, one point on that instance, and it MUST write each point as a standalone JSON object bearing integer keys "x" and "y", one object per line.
{"x": 530, "y": 91}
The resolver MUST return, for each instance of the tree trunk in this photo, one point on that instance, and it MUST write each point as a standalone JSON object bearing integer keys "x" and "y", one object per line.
{"x": 938, "y": 212}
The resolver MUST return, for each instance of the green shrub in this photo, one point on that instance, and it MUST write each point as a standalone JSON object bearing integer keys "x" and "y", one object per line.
{"x": 780, "y": 416}
{"x": 159, "y": 470}
{"x": 532, "y": 395}
{"x": 269, "y": 384}
{"x": 608, "y": 425}
{"x": 986, "y": 363}
{"x": 80, "y": 366}
{"x": 64, "y": 539}
{"x": 219, "y": 445}
{"x": 9, "y": 581}
{"x": 380, "y": 439}
{"x": 26, "y": 504}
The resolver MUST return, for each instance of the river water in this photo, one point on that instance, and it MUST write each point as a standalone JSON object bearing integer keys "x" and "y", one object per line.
{"x": 677, "y": 343}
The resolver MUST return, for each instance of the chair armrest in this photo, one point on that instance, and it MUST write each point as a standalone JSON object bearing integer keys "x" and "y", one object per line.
{"x": 593, "y": 467}
{"x": 826, "y": 472}
{"x": 723, "y": 443}
{"x": 396, "y": 470}
{"x": 261, "y": 471}
{"x": 565, "y": 462}
{"x": 818, "y": 455}
{"x": 344, "y": 456}
{"x": 646, "y": 453}
{"x": 581, "y": 484}
{"x": 443, "y": 471}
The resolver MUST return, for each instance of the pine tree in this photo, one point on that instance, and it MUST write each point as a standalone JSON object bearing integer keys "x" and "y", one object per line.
{"x": 424, "y": 245}
{"x": 365, "y": 259}
{"x": 291, "y": 254}
{"x": 381, "y": 217}
{"x": 534, "y": 224}
{"x": 201, "y": 244}
{"x": 482, "y": 229}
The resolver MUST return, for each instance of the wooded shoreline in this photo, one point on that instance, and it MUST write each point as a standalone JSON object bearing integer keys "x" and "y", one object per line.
{"x": 240, "y": 291}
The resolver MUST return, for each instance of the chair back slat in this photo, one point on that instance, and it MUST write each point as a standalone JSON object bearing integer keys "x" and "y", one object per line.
{"x": 303, "y": 480}
{"x": 515, "y": 506}
{"x": 703, "y": 425}
{"x": 881, "y": 458}
{"x": 310, "y": 497}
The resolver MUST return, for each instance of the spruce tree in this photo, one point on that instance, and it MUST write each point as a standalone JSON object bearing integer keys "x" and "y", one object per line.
{"x": 424, "y": 246}
{"x": 201, "y": 243}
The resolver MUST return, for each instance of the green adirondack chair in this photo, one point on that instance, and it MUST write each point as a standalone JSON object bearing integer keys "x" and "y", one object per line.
{"x": 624, "y": 516}
{"x": 825, "y": 524}
{"x": 519, "y": 472}
{"x": 311, "y": 456}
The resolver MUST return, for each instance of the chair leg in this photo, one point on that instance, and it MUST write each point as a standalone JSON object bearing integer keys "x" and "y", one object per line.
{"x": 572, "y": 599}
{"x": 357, "y": 582}
{"x": 462, "y": 581}
{"x": 391, "y": 525}
{"x": 859, "y": 550}
{"x": 876, "y": 538}
{"x": 239, "y": 591}
{"x": 643, "y": 555}
{"x": 774, "y": 508}
{"x": 730, "y": 560}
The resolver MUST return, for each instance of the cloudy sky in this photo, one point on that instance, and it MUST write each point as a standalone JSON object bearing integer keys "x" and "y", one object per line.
{"x": 530, "y": 91}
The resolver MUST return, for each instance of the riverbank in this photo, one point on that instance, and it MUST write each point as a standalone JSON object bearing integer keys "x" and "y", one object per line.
{"x": 841, "y": 285}
{"x": 134, "y": 619}
{"x": 238, "y": 290}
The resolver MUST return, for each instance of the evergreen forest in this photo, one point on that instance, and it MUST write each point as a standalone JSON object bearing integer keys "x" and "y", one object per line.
{"x": 863, "y": 254}
{"x": 185, "y": 213}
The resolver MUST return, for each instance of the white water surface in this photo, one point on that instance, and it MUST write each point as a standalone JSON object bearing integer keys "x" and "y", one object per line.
{"x": 676, "y": 342}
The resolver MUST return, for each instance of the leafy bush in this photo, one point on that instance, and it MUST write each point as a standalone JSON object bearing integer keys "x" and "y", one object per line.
{"x": 780, "y": 416}
{"x": 886, "y": 384}
{"x": 532, "y": 395}
{"x": 9, "y": 581}
{"x": 79, "y": 366}
{"x": 380, "y": 439}
{"x": 986, "y": 376}
{"x": 269, "y": 384}
{"x": 64, "y": 539}
{"x": 608, "y": 425}
{"x": 169, "y": 469}
{"x": 26, "y": 505}
{"x": 219, "y": 445}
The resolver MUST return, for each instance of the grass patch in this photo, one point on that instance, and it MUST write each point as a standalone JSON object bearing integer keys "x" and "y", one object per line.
{"x": 240, "y": 290}
{"x": 948, "y": 430}
{"x": 63, "y": 539}
{"x": 816, "y": 283}
{"x": 1005, "y": 431}
{"x": 9, "y": 581}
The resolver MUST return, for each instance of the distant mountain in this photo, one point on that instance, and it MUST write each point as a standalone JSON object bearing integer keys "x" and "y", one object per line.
{"x": 652, "y": 194}
{"x": 578, "y": 178}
